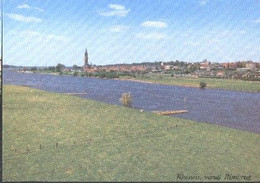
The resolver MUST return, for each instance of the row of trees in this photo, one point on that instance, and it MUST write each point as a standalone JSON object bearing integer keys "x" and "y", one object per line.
{"x": 59, "y": 67}
{"x": 111, "y": 74}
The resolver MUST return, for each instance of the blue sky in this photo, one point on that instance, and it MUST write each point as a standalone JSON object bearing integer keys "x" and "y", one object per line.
{"x": 48, "y": 32}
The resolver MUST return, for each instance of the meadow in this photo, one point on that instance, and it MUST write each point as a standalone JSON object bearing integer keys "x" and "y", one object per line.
{"x": 226, "y": 84}
{"x": 56, "y": 137}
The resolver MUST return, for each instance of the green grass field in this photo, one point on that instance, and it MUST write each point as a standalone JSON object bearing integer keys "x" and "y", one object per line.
{"x": 227, "y": 84}
{"x": 102, "y": 142}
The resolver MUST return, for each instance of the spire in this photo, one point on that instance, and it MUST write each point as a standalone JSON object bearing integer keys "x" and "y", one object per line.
{"x": 86, "y": 58}
{"x": 86, "y": 53}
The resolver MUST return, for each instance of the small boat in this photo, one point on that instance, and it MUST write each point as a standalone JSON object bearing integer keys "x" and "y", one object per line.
{"x": 170, "y": 112}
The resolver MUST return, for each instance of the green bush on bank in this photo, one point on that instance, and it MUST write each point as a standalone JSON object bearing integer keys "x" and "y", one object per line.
{"x": 203, "y": 85}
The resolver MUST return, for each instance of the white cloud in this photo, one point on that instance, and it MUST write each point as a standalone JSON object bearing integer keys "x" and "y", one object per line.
{"x": 115, "y": 10}
{"x": 30, "y": 34}
{"x": 116, "y": 6}
{"x": 203, "y": 2}
{"x": 26, "y": 6}
{"x": 257, "y": 21}
{"x": 152, "y": 36}
{"x": 55, "y": 37}
{"x": 22, "y": 18}
{"x": 39, "y": 9}
{"x": 156, "y": 24}
{"x": 117, "y": 28}
{"x": 38, "y": 35}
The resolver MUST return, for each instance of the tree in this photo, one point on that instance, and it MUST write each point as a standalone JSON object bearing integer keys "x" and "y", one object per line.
{"x": 51, "y": 68}
{"x": 75, "y": 67}
{"x": 257, "y": 65}
{"x": 203, "y": 85}
{"x": 59, "y": 67}
{"x": 34, "y": 69}
{"x": 241, "y": 64}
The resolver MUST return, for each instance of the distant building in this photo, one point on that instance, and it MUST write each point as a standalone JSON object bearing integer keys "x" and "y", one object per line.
{"x": 220, "y": 74}
{"x": 86, "y": 59}
{"x": 167, "y": 67}
{"x": 205, "y": 64}
{"x": 250, "y": 65}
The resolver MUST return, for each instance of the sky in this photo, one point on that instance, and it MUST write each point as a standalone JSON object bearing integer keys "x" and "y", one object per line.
{"x": 48, "y": 32}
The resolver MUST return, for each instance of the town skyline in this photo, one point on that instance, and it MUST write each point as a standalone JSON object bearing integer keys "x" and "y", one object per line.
{"x": 124, "y": 32}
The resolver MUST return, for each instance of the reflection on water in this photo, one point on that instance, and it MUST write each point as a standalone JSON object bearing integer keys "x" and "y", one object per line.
{"x": 234, "y": 109}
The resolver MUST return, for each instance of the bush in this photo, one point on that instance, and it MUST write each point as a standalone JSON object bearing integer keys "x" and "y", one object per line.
{"x": 34, "y": 69}
{"x": 126, "y": 100}
{"x": 203, "y": 85}
{"x": 111, "y": 75}
{"x": 75, "y": 73}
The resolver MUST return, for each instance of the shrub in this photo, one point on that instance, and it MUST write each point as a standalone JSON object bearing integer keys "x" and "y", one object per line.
{"x": 203, "y": 85}
{"x": 111, "y": 75}
{"x": 75, "y": 73}
{"x": 126, "y": 100}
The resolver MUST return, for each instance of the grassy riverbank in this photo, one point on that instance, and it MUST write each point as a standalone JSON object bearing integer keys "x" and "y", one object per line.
{"x": 56, "y": 137}
{"x": 217, "y": 83}
{"x": 227, "y": 84}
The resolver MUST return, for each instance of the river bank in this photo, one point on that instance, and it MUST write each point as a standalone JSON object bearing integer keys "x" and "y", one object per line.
{"x": 214, "y": 83}
{"x": 106, "y": 141}
{"x": 222, "y": 84}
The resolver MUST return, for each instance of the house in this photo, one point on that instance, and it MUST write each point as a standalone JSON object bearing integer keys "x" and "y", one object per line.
{"x": 204, "y": 65}
{"x": 250, "y": 66}
{"x": 167, "y": 67}
{"x": 220, "y": 74}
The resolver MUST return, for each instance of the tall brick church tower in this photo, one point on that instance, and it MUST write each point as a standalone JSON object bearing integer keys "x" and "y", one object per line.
{"x": 86, "y": 59}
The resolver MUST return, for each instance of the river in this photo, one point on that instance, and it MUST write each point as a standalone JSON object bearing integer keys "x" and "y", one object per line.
{"x": 240, "y": 110}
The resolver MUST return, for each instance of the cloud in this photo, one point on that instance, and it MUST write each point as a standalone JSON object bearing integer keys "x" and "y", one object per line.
{"x": 203, "y": 2}
{"x": 39, "y": 9}
{"x": 115, "y": 10}
{"x": 26, "y": 6}
{"x": 34, "y": 34}
{"x": 156, "y": 24}
{"x": 30, "y": 33}
{"x": 116, "y": 6}
{"x": 22, "y": 18}
{"x": 151, "y": 36}
{"x": 118, "y": 28}
{"x": 257, "y": 21}
{"x": 55, "y": 37}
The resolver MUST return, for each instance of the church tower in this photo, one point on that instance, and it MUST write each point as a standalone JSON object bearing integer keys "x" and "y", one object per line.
{"x": 86, "y": 59}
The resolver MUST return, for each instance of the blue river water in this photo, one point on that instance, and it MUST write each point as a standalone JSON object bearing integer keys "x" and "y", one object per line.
{"x": 240, "y": 110}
